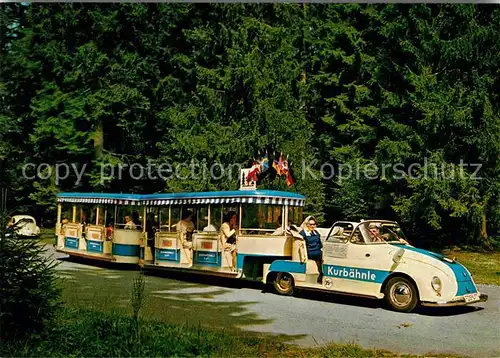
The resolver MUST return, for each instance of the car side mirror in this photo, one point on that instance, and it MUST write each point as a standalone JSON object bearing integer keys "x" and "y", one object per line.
{"x": 398, "y": 255}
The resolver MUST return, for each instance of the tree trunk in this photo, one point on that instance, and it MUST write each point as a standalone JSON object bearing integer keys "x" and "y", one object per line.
{"x": 484, "y": 233}
{"x": 98, "y": 140}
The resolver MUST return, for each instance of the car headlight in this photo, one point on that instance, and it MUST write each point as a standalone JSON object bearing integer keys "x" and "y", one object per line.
{"x": 436, "y": 284}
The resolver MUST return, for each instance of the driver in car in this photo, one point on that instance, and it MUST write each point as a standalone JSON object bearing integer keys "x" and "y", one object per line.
{"x": 376, "y": 236}
{"x": 375, "y": 233}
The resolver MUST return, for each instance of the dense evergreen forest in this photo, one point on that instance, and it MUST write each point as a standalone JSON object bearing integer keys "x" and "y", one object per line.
{"x": 366, "y": 85}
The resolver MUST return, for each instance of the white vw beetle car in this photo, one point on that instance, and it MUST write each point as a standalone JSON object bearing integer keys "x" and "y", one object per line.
{"x": 25, "y": 226}
{"x": 372, "y": 258}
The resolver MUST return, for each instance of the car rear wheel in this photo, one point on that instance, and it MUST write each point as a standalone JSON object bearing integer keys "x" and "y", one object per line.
{"x": 283, "y": 283}
{"x": 401, "y": 294}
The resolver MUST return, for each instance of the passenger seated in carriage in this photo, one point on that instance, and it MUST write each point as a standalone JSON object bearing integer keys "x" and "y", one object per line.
{"x": 186, "y": 228}
{"x": 228, "y": 235}
{"x": 129, "y": 224}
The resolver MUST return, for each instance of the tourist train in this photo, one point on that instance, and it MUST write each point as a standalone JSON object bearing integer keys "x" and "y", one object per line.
{"x": 370, "y": 258}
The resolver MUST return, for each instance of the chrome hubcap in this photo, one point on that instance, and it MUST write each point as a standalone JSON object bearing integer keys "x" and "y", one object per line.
{"x": 401, "y": 294}
{"x": 285, "y": 281}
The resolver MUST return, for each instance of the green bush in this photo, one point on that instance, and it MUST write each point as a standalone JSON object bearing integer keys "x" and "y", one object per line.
{"x": 28, "y": 290}
{"x": 98, "y": 334}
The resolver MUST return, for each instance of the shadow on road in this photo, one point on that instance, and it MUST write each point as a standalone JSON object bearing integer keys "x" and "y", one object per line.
{"x": 193, "y": 301}
{"x": 448, "y": 311}
{"x": 208, "y": 280}
{"x": 339, "y": 299}
{"x": 265, "y": 289}
{"x": 375, "y": 304}
{"x": 99, "y": 263}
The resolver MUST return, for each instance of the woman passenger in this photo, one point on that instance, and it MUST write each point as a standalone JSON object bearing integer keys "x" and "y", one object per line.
{"x": 228, "y": 235}
{"x": 313, "y": 244}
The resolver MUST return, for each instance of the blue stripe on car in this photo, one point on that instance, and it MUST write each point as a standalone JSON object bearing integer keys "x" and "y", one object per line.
{"x": 288, "y": 266}
{"x": 356, "y": 273}
{"x": 242, "y": 258}
{"x": 345, "y": 272}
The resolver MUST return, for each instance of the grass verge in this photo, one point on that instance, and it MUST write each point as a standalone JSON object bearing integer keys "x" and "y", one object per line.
{"x": 47, "y": 236}
{"x": 484, "y": 266}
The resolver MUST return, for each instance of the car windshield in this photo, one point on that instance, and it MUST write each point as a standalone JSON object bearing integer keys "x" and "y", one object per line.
{"x": 26, "y": 221}
{"x": 376, "y": 232}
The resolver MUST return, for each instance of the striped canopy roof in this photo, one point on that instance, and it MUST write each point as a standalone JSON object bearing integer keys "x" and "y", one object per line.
{"x": 214, "y": 197}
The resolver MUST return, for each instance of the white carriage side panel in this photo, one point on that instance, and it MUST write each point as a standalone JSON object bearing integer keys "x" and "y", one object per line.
{"x": 126, "y": 237}
{"x": 95, "y": 233}
{"x": 265, "y": 245}
{"x": 72, "y": 230}
{"x": 166, "y": 240}
{"x": 206, "y": 242}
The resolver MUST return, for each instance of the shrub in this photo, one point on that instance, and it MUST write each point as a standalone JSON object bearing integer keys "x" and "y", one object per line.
{"x": 84, "y": 333}
{"x": 138, "y": 296}
{"x": 28, "y": 289}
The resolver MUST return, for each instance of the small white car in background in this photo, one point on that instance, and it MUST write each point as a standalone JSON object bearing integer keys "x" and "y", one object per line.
{"x": 25, "y": 226}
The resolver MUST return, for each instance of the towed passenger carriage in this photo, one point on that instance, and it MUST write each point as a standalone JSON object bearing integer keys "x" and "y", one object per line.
{"x": 93, "y": 225}
{"x": 369, "y": 258}
{"x": 262, "y": 237}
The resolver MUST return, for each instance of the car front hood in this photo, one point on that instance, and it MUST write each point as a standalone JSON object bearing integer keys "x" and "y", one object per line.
{"x": 427, "y": 253}
{"x": 460, "y": 273}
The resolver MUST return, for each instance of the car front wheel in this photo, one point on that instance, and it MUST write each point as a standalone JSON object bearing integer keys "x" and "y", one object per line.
{"x": 283, "y": 283}
{"x": 401, "y": 294}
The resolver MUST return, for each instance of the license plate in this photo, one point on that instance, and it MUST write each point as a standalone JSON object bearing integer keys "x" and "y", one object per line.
{"x": 471, "y": 298}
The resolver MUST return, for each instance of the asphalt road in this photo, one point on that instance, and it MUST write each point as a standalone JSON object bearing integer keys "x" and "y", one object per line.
{"x": 318, "y": 318}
